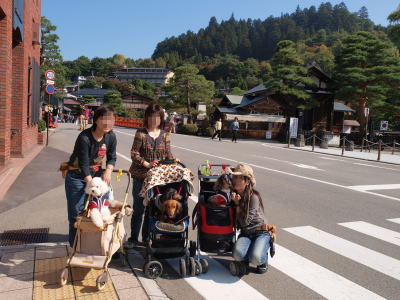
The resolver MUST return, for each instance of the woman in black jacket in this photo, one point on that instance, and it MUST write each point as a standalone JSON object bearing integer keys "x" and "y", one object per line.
{"x": 91, "y": 147}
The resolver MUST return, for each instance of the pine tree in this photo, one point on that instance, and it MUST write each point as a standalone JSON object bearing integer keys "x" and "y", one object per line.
{"x": 189, "y": 88}
{"x": 289, "y": 77}
{"x": 366, "y": 71}
{"x": 394, "y": 28}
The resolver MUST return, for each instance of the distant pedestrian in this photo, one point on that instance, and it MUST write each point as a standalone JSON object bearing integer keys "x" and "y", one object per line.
{"x": 235, "y": 128}
{"x": 218, "y": 129}
{"x": 172, "y": 124}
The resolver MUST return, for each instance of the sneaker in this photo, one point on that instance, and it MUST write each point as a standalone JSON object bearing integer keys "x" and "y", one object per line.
{"x": 261, "y": 269}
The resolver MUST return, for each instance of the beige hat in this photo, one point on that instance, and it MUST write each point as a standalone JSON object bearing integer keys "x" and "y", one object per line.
{"x": 245, "y": 170}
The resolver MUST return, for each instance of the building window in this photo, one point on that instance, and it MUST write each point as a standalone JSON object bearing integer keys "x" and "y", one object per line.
{"x": 18, "y": 22}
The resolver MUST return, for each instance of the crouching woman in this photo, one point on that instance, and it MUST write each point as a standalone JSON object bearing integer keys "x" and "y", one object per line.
{"x": 254, "y": 240}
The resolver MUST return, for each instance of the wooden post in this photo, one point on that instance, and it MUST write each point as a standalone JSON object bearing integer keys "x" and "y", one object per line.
{"x": 394, "y": 145}
{"x": 343, "y": 141}
{"x": 379, "y": 149}
{"x": 313, "y": 141}
{"x": 288, "y": 139}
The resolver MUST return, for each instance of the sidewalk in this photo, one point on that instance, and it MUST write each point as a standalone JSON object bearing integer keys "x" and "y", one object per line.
{"x": 36, "y": 200}
{"x": 365, "y": 155}
{"x": 34, "y": 272}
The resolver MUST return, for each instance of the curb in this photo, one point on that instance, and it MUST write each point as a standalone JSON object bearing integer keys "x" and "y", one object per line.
{"x": 364, "y": 159}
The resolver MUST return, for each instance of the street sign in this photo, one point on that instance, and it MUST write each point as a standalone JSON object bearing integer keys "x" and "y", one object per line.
{"x": 50, "y": 75}
{"x": 384, "y": 125}
{"x": 50, "y": 89}
{"x": 50, "y": 82}
{"x": 366, "y": 111}
{"x": 293, "y": 127}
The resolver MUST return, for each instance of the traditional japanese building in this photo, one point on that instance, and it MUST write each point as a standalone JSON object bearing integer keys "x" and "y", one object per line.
{"x": 262, "y": 112}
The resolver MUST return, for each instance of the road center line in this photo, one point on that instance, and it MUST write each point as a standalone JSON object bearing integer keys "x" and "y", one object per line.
{"x": 278, "y": 171}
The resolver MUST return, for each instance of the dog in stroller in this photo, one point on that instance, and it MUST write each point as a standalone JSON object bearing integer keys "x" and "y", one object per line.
{"x": 94, "y": 246}
{"x": 166, "y": 191}
{"x": 213, "y": 214}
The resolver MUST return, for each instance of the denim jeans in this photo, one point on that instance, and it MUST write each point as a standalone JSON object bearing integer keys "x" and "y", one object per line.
{"x": 75, "y": 192}
{"x": 252, "y": 248}
{"x": 138, "y": 210}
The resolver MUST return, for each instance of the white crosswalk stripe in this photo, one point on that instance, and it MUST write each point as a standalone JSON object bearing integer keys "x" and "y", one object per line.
{"x": 370, "y": 258}
{"x": 397, "y": 220}
{"x": 317, "y": 278}
{"x": 381, "y": 233}
{"x": 218, "y": 283}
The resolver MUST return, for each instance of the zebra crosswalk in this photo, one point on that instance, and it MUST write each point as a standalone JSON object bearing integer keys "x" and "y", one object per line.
{"x": 315, "y": 276}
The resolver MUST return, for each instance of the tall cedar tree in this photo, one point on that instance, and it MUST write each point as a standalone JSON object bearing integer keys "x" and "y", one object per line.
{"x": 394, "y": 28}
{"x": 189, "y": 88}
{"x": 367, "y": 72}
{"x": 289, "y": 76}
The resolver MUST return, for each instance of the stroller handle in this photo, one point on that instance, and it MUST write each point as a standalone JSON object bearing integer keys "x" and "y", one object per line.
{"x": 170, "y": 162}
{"x": 128, "y": 175}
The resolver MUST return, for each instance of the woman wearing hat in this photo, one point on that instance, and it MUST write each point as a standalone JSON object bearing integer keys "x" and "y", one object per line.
{"x": 254, "y": 240}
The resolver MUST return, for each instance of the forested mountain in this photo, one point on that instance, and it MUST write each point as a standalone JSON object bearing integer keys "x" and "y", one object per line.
{"x": 258, "y": 38}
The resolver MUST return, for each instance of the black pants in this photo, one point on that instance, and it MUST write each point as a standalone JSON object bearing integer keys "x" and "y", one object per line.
{"x": 217, "y": 132}
{"x": 234, "y": 135}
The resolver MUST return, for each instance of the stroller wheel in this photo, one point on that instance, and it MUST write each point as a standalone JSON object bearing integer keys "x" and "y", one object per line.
{"x": 199, "y": 269}
{"x": 192, "y": 248}
{"x": 64, "y": 277}
{"x": 101, "y": 281}
{"x": 153, "y": 269}
{"x": 234, "y": 268}
{"x": 192, "y": 266}
{"x": 182, "y": 267}
{"x": 204, "y": 265}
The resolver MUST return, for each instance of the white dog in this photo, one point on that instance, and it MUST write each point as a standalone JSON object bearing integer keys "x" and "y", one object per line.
{"x": 100, "y": 213}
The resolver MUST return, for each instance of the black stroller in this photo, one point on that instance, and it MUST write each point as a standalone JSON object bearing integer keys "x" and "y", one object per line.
{"x": 168, "y": 240}
{"x": 216, "y": 225}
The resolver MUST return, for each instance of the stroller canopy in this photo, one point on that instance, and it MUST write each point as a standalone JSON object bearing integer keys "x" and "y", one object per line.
{"x": 165, "y": 174}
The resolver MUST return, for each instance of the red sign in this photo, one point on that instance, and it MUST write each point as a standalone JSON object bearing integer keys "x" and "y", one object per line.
{"x": 50, "y": 75}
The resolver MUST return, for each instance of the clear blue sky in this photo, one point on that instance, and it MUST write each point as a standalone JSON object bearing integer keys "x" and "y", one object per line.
{"x": 134, "y": 27}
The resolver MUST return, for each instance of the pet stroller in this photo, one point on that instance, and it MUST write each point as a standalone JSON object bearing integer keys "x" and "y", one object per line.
{"x": 216, "y": 225}
{"x": 168, "y": 240}
{"x": 93, "y": 247}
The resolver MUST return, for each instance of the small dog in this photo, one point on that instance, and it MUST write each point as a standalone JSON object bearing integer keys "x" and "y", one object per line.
{"x": 171, "y": 207}
{"x": 223, "y": 186}
{"x": 100, "y": 213}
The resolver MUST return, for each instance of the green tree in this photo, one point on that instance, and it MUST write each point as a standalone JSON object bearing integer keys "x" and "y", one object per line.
{"x": 113, "y": 99}
{"x": 394, "y": 28}
{"x": 236, "y": 91}
{"x": 366, "y": 71}
{"x": 118, "y": 59}
{"x": 189, "y": 88}
{"x": 50, "y": 56}
{"x": 289, "y": 76}
{"x": 89, "y": 84}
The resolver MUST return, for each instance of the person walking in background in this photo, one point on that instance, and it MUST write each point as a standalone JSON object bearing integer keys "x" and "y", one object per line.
{"x": 235, "y": 128}
{"x": 218, "y": 129}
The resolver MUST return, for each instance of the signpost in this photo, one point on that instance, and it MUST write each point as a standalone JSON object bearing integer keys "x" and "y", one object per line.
{"x": 293, "y": 127}
{"x": 384, "y": 125}
{"x": 50, "y": 89}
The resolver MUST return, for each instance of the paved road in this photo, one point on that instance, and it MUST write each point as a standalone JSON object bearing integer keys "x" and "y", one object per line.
{"x": 338, "y": 222}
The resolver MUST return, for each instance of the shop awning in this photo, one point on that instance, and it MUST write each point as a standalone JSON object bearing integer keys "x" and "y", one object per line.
{"x": 66, "y": 108}
{"x": 337, "y": 106}
{"x": 256, "y": 118}
{"x": 351, "y": 123}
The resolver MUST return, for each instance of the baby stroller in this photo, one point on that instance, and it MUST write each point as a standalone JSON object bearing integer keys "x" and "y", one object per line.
{"x": 168, "y": 240}
{"x": 216, "y": 225}
{"x": 93, "y": 247}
